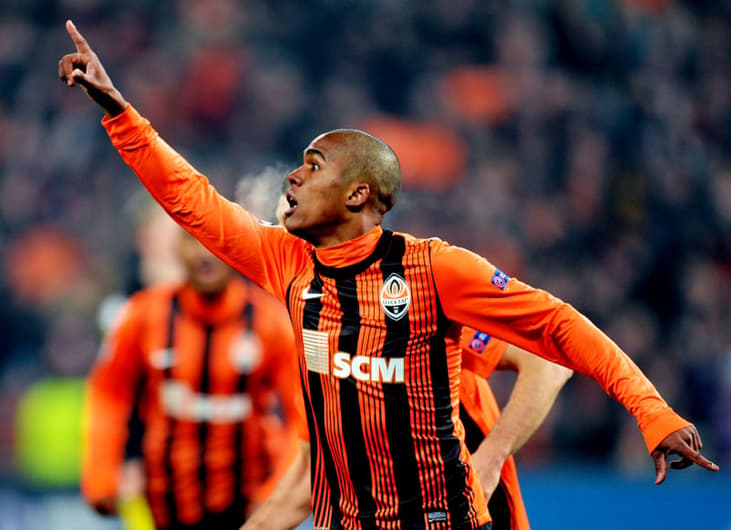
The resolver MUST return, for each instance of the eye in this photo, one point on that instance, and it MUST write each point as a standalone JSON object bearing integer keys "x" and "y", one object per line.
{"x": 315, "y": 166}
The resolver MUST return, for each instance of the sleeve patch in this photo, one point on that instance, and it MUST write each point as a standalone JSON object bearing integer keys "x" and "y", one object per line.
{"x": 500, "y": 279}
{"x": 479, "y": 341}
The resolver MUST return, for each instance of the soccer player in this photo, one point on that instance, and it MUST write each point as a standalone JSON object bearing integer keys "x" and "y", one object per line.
{"x": 214, "y": 356}
{"x": 536, "y": 388}
{"x": 377, "y": 317}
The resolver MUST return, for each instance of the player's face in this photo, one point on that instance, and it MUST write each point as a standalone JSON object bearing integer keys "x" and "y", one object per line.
{"x": 316, "y": 194}
{"x": 206, "y": 272}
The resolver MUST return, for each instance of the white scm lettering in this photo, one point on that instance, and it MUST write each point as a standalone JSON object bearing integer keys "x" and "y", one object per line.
{"x": 365, "y": 368}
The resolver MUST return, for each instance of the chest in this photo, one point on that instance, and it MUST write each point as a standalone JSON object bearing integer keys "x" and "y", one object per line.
{"x": 371, "y": 326}
{"x": 182, "y": 348}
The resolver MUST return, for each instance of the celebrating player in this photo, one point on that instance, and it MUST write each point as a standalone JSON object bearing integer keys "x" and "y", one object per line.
{"x": 377, "y": 317}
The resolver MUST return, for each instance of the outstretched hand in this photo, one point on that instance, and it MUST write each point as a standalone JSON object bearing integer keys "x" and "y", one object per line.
{"x": 685, "y": 443}
{"x": 84, "y": 68}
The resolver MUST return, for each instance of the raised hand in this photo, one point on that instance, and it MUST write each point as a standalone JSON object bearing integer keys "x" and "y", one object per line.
{"x": 84, "y": 68}
{"x": 685, "y": 443}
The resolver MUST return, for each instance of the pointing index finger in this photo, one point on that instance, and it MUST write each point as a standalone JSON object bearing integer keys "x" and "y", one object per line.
{"x": 688, "y": 453}
{"x": 81, "y": 45}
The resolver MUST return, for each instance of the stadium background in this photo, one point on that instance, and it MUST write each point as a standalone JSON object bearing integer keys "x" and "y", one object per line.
{"x": 581, "y": 145}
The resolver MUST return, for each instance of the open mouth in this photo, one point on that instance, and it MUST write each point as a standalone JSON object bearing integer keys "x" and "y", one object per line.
{"x": 292, "y": 202}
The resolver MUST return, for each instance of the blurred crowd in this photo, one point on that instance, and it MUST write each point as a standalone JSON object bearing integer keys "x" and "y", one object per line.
{"x": 580, "y": 145}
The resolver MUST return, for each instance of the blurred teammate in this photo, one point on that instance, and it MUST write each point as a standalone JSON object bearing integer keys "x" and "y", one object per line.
{"x": 377, "y": 316}
{"x": 214, "y": 358}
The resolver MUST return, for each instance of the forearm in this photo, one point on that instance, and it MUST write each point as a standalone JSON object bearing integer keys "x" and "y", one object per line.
{"x": 581, "y": 345}
{"x": 290, "y": 502}
{"x": 534, "y": 393}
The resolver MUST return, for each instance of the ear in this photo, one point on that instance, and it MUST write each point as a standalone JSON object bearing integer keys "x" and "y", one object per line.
{"x": 358, "y": 196}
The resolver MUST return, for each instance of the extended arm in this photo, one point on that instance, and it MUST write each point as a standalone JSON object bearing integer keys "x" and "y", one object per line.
{"x": 536, "y": 388}
{"x": 290, "y": 503}
{"x": 478, "y": 295}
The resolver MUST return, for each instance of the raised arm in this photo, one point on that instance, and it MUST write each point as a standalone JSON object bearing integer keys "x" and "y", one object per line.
{"x": 267, "y": 255}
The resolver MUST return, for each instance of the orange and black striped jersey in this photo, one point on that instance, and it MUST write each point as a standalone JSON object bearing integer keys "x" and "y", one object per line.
{"x": 377, "y": 322}
{"x": 479, "y": 411}
{"x": 216, "y": 382}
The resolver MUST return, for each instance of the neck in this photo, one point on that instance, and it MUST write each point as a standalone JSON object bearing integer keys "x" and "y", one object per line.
{"x": 343, "y": 232}
{"x": 209, "y": 295}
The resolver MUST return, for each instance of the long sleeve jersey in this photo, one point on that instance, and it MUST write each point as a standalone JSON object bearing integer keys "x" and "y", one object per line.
{"x": 377, "y": 322}
{"x": 215, "y": 398}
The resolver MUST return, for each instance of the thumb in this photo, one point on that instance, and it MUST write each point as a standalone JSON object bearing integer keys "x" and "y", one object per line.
{"x": 81, "y": 77}
{"x": 661, "y": 467}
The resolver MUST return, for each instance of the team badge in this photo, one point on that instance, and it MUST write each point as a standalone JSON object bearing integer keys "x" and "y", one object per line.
{"x": 500, "y": 279}
{"x": 246, "y": 352}
{"x": 395, "y": 297}
{"x": 479, "y": 341}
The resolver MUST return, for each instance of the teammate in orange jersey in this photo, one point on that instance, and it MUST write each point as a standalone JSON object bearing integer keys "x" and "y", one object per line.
{"x": 493, "y": 436}
{"x": 377, "y": 317}
{"x": 215, "y": 358}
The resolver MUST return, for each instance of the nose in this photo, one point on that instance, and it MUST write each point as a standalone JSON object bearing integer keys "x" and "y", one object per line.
{"x": 294, "y": 178}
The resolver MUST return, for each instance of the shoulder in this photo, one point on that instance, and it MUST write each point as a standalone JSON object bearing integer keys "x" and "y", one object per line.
{"x": 149, "y": 301}
{"x": 259, "y": 297}
{"x": 270, "y": 314}
{"x": 436, "y": 245}
{"x": 154, "y": 294}
{"x": 429, "y": 244}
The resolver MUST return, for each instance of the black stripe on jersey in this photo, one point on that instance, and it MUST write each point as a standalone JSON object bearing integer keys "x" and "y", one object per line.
{"x": 170, "y": 501}
{"x": 358, "y": 461}
{"x": 499, "y": 507}
{"x": 247, "y": 318}
{"x": 398, "y": 417}
{"x": 205, "y": 390}
{"x": 455, "y": 471}
{"x": 343, "y": 273}
{"x": 311, "y": 320}
{"x": 473, "y": 435}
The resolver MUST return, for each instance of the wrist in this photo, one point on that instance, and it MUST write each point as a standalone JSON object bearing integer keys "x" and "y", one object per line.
{"x": 110, "y": 100}
{"x": 115, "y": 104}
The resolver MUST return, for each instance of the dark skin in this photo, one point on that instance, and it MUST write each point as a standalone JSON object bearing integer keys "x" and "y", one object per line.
{"x": 337, "y": 209}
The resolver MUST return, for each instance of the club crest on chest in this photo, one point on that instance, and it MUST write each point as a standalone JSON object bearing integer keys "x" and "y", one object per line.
{"x": 395, "y": 297}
